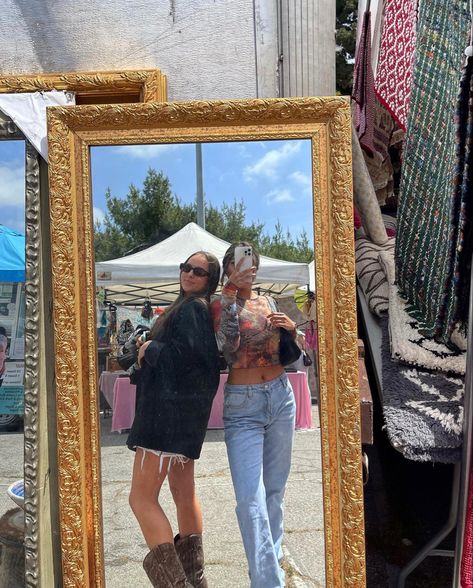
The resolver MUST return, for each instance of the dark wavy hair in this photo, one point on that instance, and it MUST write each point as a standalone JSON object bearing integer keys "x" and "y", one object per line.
{"x": 230, "y": 256}
{"x": 162, "y": 324}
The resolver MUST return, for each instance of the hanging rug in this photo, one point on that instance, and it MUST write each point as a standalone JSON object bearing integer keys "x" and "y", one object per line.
{"x": 426, "y": 229}
{"x": 394, "y": 74}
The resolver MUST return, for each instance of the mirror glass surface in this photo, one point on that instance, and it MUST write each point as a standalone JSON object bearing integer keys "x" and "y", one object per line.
{"x": 12, "y": 324}
{"x": 265, "y": 189}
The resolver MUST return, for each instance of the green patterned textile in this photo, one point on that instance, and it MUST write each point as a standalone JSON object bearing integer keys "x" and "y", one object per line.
{"x": 425, "y": 225}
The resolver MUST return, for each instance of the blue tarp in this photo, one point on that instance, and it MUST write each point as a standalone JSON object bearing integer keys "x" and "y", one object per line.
{"x": 12, "y": 255}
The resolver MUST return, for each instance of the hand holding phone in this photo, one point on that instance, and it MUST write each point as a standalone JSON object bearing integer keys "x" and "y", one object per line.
{"x": 245, "y": 253}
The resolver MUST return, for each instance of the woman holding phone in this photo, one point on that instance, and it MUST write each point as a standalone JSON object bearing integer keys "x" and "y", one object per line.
{"x": 179, "y": 377}
{"x": 258, "y": 413}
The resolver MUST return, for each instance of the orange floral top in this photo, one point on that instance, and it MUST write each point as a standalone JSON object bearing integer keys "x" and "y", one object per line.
{"x": 244, "y": 333}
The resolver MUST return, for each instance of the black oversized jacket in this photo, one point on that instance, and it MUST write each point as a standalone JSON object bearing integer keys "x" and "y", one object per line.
{"x": 178, "y": 382}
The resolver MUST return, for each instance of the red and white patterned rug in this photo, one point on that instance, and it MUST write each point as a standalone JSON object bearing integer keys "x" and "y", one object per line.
{"x": 394, "y": 73}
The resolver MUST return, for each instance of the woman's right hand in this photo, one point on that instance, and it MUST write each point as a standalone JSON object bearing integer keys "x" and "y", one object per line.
{"x": 141, "y": 352}
{"x": 242, "y": 279}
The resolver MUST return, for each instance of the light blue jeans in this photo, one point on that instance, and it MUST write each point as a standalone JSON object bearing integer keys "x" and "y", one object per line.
{"x": 259, "y": 430}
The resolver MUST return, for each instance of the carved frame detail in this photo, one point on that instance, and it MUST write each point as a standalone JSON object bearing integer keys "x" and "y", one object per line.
{"x": 143, "y": 85}
{"x": 326, "y": 122}
{"x": 32, "y": 379}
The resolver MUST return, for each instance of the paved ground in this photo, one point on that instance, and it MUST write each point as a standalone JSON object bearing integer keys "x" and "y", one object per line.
{"x": 225, "y": 559}
{"x": 226, "y": 565}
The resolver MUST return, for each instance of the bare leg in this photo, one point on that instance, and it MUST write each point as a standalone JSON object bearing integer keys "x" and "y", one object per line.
{"x": 182, "y": 485}
{"x": 189, "y": 517}
{"x": 144, "y": 498}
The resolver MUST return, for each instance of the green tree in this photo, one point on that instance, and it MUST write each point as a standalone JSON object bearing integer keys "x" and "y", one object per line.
{"x": 346, "y": 22}
{"x": 229, "y": 223}
{"x": 141, "y": 219}
{"x": 281, "y": 245}
{"x": 152, "y": 214}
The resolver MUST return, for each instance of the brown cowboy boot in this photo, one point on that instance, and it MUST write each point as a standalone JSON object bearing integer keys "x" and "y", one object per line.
{"x": 190, "y": 552}
{"x": 164, "y": 568}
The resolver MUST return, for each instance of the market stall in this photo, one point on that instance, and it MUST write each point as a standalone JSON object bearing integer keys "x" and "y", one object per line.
{"x": 153, "y": 273}
{"x": 133, "y": 289}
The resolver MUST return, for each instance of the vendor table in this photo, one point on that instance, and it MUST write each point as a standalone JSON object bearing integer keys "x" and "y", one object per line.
{"x": 106, "y": 383}
{"x": 124, "y": 395}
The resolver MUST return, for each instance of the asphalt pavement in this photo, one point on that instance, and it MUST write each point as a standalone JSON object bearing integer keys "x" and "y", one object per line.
{"x": 225, "y": 559}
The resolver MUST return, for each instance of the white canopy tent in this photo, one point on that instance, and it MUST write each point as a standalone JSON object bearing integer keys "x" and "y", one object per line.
{"x": 154, "y": 272}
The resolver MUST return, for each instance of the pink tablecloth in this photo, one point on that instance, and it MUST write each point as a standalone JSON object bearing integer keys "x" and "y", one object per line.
{"x": 124, "y": 395}
{"x": 301, "y": 393}
{"x": 106, "y": 383}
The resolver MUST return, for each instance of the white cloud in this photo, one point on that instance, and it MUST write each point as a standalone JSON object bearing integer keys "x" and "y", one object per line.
{"x": 300, "y": 178}
{"x": 269, "y": 165}
{"x": 99, "y": 215}
{"x": 278, "y": 196}
{"x": 12, "y": 185}
{"x": 145, "y": 151}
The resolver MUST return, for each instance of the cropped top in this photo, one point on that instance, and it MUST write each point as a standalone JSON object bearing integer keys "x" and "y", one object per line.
{"x": 244, "y": 333}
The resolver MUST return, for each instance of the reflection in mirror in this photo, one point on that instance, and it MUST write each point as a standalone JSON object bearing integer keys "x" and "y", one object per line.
{"x": 145, "y": 205}
{"x": 12, "y": 338}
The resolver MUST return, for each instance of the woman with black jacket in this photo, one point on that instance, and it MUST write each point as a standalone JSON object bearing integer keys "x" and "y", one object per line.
{"x": 179, "y": 377}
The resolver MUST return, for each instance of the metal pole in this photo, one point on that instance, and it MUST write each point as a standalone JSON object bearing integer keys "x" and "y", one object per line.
{"x": 467, "y": 444}
{"x": 200, "y": 186}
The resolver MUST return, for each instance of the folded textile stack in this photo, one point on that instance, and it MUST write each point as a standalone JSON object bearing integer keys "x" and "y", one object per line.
{"x": 369, "y": 272}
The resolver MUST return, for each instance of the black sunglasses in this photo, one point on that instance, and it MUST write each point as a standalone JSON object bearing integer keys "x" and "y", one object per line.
{"x": 198, "y": 271}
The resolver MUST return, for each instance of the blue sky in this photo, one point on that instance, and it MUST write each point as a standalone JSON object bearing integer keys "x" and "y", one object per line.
{"x": 273, "y": 178}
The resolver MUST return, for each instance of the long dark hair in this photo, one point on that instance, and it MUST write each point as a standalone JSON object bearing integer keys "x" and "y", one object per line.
{"x": 230, "y": 256}
{"x": 162, "y": 324}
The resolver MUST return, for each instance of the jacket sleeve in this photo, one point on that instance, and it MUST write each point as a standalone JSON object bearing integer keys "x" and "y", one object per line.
{"x": 189, "y": 338}
{"x": 226, "y": 322}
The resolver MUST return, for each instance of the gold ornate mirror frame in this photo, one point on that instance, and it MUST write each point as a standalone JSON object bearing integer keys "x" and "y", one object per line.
{"x": 95, "y": 87}
{"x": 72, "y": 131}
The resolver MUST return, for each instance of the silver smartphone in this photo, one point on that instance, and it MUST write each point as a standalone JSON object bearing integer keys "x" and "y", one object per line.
{"x": 244, "y": 252}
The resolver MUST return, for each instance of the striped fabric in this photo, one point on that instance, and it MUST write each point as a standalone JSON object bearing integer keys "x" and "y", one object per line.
{"x": 370, "y": 273}
{"x": 423, "y": 238}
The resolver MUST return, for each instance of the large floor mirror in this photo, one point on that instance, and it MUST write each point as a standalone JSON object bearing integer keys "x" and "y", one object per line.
{"x": 252, "y": 185}
{"x": 27, "y": 418}
{"x": 83, "y": 142}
